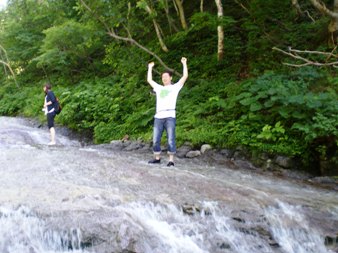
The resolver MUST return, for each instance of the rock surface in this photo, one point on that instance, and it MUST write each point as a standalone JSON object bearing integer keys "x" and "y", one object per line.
{"x": 105, "y": 199}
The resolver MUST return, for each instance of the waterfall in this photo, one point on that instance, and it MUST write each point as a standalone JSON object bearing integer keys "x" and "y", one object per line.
{"x": 100, "y": 200}
{"x": 155, "y": 228}
{"x": 22, "y": 231}
{"x": 292, "y": 230}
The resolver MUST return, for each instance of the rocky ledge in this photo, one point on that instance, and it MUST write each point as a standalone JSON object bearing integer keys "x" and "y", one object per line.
{"x": 239, "y": 158}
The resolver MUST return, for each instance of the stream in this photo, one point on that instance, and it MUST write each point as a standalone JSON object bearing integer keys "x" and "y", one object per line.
{"x": 89, "y": 198}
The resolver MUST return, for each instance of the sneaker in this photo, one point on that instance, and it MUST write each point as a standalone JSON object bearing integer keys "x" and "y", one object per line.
{"x": 170, "y": 164}
{"x": 51, "y": 143}
{"x": 155, "y": 161}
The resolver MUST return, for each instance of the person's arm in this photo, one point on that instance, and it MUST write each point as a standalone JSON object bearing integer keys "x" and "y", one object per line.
{"x": 51, "y": 97}
{"x": 47, "y": 103}
{"x": 150, "y": 75}
{"x": 185, "y": 71}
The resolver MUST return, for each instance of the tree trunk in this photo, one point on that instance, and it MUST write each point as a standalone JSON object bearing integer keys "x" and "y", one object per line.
{"x": 6, "y": 64}
{"x": 333, "y": 26}
{"x": 220, "y": 31}
{"x": 5, "y": 69}
{"x": 157, "y": 29}
{"x": 297, "y": 7}
{"x": 171, "y": 23}
{"x": 181, "y": 14}
{"x": 202, "y": 6}
{"x": 12, "y": 72}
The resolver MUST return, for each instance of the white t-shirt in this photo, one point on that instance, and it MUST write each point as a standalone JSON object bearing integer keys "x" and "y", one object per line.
{"x": 166, "y": 97}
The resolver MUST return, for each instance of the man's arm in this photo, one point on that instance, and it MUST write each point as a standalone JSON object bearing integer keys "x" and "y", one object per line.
{"x": 150, "y": 75}
{"x": 185, "y": 71}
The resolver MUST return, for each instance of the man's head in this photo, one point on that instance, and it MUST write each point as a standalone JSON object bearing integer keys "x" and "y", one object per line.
{"x": 167, "y": 76}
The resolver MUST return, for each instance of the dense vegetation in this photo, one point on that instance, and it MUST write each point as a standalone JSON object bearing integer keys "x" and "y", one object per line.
{"x": 95, "y": 53}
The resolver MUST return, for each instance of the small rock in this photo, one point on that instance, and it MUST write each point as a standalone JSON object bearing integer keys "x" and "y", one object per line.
{"x": 205, "y": 147}
{"x": 183, "y": 150}
{"x": 284, "y": 162}
{"x": 134, "y": 146}
{"x": 192, "y": 154}
{"x": 190, "y": 209}
{"x": 227, "y": 153}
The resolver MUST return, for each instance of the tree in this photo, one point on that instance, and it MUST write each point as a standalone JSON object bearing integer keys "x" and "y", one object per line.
{"x": 220, "y": 31}
{"x": 333, "y": 14}
{"x": 164, "y": 4}
{"x": 22, "y": 26}
{"x": 114, "y": 33}
{"x": 180, "y": 10}
{"x": 6, "y": 64}
{"x": 67, "y": 47}
{"x": 143, "y": 4}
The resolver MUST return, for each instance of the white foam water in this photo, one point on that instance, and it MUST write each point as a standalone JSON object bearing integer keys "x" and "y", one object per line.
{"x": 22, "y": 231}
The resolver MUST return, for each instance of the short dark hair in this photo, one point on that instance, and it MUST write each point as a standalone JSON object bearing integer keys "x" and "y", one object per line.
{"x": 170, "y": 73}
{"x": 48, "y": 86}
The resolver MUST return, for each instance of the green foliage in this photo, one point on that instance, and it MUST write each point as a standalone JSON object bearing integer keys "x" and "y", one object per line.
{"x": 67, "y": 47}
{"x": 275, "y": 133}
{"x": 25, "y": 102}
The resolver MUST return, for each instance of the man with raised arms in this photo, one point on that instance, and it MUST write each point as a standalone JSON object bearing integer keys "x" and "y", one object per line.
{"x": 165, "y": 117}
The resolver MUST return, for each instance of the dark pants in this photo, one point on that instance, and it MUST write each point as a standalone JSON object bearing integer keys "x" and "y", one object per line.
{"x": 50, "y": 119}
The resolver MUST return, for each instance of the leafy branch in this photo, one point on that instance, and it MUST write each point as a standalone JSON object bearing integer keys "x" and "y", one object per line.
{"x": 111, "y": 32}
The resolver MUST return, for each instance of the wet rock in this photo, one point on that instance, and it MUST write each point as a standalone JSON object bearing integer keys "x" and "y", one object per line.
{"x": 190, "y": 209}
{"x": 213, "y": 156}
{"x": 284, "y": 162}
{"x": 331, "y": 240}
{"x": 183, "y": 150}
{"x": 224, "y": 246}
{"x": 244, "y": 164}
{"x": 228, "y": 153}
{"x": 240, "y": 155}
{"x": 147, "y": 147}
{"x": 134, "y": 146}
{"x": 193, "y": 154}
{"x": 294, "y": 174}
{"x": 268, "y": 164}
{"x": 273, "y": 243}
{"x": 97, "y": 193}
{"x": 325, "y": 180}
{"x": 117, "y": 144}
{"x": 238, "y": 219}
{"x": 329, "y": 167}
{"x": 205, "y": 148}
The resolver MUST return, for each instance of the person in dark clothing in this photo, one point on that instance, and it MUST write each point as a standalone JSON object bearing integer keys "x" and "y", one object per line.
{"x": 49, "y": 108}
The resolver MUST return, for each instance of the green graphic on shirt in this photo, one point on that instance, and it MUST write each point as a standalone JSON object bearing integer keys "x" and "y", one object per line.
{"x": 164, "y": 93}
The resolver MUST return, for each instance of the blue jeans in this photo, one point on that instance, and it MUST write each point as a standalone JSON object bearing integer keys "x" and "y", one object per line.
{"x": 169, "y": 125}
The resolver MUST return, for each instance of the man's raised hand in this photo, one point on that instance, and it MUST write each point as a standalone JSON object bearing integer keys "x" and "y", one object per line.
{"x": 151, "y": 64}
{"x": 184, "y": 60}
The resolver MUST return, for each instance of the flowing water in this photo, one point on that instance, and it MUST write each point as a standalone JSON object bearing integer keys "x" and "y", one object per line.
{"x": 69, "y": 198}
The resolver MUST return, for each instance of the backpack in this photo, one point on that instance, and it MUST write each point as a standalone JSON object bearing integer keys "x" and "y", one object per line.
{"x": 57, "y": 106}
